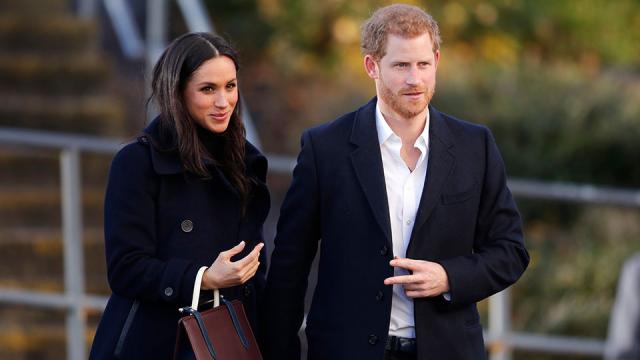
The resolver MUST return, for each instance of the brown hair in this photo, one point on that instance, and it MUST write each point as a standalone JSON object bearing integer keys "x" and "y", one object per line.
{"x": 399, "y": 19}
{"x": 170, "y": 75}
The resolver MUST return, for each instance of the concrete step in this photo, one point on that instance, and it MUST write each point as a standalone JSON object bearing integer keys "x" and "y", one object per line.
{"x": 46, "y": 36}
{"x": 36, "y": 7}
{"x": 34, "y": 259}
{"x": 40, "y": 206}
{"x": 29, "y": 166}
{"x": 20, "y": 73}
{"x": 36, "y": 339}
{"x": 97, "y": 114}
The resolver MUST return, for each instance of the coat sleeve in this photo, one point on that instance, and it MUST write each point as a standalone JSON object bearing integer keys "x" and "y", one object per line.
{"x": 296, "y": 243}
{"x": 499, "y": 256}
{"x": 133, "y": 269}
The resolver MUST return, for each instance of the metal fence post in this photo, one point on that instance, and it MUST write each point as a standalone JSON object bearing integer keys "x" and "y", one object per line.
{"x": 73, "y": 252}
{"x": 87, "y": 8}
{"x": 500, "y": 325}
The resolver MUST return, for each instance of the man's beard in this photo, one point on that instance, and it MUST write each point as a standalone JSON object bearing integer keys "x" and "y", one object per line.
{"x": 411, "y": 109}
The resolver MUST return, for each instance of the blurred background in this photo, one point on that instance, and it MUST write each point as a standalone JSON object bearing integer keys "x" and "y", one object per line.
{"x": 558, "y": 82}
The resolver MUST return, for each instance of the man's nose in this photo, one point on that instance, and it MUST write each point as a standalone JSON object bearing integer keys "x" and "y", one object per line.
{"x": 413, "y": 77}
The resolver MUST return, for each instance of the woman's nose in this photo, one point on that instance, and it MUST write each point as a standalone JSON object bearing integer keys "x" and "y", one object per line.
{"x": 221, "y": 101}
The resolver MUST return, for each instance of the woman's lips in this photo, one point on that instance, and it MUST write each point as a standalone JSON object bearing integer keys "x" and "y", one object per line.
{"x": 220, "y": 116}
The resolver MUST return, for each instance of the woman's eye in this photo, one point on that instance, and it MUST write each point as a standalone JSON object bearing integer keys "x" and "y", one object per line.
{"x": 207, "y": 89}
{"x": 231, "y": 86}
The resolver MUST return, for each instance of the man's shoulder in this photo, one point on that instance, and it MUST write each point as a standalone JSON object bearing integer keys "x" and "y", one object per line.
{"x": 336, "y": 127}
{"x": 343, "y": 125}
{"x": 460, "y": 127}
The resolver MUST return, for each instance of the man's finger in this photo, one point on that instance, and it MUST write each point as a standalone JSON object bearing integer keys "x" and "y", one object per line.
{"x": 404, "y": 263}
{"x": 401, "y": 279}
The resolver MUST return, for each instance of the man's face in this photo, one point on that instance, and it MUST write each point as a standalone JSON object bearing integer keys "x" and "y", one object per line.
{"x": 405, "y": 76}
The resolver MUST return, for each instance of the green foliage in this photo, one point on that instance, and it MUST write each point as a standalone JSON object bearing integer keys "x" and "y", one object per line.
{"x": 554, "y": 123}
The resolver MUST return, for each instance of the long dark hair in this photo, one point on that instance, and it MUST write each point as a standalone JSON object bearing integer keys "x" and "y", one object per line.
{"x": 170, "y": 76}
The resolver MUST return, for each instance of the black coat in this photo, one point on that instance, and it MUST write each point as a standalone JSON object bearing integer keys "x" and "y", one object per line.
{"x": 467, "y": 221}
{"x": 161, "y": 226}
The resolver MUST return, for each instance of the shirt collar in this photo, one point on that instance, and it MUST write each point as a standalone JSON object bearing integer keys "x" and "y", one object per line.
{"x": 385, "y": 132}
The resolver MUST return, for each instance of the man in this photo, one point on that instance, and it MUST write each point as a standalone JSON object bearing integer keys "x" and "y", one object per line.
{"x": 413, "y": 212}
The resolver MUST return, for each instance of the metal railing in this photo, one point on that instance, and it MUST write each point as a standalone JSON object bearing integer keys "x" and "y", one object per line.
{"x": 500, "y": 339}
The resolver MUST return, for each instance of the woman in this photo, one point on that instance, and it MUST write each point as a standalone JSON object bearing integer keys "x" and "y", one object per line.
{"x": 188, "y": 193}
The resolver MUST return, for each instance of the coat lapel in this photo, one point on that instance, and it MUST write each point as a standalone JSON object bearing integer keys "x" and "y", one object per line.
{"x": 441, "y": 161}
{"x": 367, "y": 163}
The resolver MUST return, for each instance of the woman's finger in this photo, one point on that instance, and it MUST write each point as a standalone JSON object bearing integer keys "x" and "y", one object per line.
{"x": 233, "y": 251}
{"x": 251, "y": 257}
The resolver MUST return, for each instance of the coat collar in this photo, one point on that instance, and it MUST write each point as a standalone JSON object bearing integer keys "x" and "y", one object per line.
{"x": 367, "y": 162}
{"x": 441, "y": 162}
{"x": 166, "y": 158}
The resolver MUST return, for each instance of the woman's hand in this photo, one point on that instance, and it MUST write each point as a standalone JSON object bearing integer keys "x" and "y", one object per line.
{"x": 224, "y": 273}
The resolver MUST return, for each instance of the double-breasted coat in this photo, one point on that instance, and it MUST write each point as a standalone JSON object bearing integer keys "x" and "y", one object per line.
{"x": 161, "y": 225}
{"x": 467, "y": 221}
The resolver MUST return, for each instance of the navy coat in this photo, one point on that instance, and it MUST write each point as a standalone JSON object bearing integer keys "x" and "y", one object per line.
{"x": 467, "y": 221}
{"x": 161, "y": 226}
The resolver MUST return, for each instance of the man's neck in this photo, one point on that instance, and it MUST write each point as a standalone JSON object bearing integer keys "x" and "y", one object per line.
{"x": 408, "y": 129}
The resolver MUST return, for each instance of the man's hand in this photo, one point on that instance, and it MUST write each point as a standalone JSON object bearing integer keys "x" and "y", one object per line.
{"x": 427, "y": 278}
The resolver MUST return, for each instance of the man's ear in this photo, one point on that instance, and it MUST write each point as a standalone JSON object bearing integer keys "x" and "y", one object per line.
{"x": 371, "y": 67}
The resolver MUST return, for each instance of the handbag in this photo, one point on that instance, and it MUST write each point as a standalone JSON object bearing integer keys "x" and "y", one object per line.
{"x": 220, "y": 333}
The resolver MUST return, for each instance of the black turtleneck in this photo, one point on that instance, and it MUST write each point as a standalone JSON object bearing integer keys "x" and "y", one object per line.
{"x": 213, "y": 142}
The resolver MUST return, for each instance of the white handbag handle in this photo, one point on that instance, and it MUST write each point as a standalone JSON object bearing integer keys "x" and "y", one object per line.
{"x": 196, "y": 291}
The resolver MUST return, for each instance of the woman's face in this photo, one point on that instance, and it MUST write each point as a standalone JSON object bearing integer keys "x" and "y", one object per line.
{"x": 211, "y": 93}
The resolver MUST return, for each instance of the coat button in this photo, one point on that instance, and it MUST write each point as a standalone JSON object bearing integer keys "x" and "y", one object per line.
{"x": 380, "y": 295}
{"x": 384, "y": 250}
{"x": 187, "y": 226}
{"x": 168, "y": 291}
{"x": 373, "y": 339}
{"x": 247, "y": 290}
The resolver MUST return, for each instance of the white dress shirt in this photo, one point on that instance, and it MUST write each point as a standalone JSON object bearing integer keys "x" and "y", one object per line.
{"x": 404, "y": 190}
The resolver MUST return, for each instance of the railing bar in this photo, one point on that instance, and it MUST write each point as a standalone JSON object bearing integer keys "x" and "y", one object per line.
{"x": 566, "y": 191}
{"x": 195, "y": 15}
{"x": 73, "y": 251}
{"x": 556, "y": 343}
{"x": 125, "y": 28}
{"x": 49, "y": 300}
{"x": 50, "y": 139}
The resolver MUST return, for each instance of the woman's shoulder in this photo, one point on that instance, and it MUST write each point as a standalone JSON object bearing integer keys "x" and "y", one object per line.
{"x": 133, "y": 156}
{"x": 136, "y": 150}
{"x": 256, "y": 162}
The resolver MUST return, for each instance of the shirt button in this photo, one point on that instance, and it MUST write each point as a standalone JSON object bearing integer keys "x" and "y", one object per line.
{"x": 187, "y": 226}
{"x": 168, "y": 291}
{"x": 380, "y": 295}
{"x": 408, "y": 222}
{"x": 384, "y": 250}
{"x": 373, "y": 339}
{"x": 247, "y": 291}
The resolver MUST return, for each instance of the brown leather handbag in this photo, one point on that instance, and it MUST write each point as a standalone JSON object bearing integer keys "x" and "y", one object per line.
{"x": 220, "y": 333}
